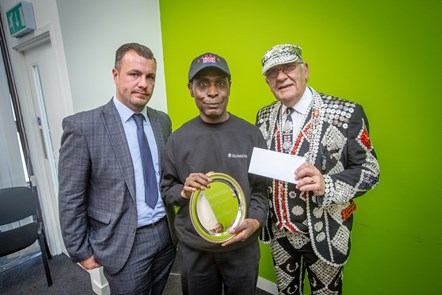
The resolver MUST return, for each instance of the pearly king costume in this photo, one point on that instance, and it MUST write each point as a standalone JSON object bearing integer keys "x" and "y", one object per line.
{"x": 334, "y": 138}
{"x": 305, "y": 231}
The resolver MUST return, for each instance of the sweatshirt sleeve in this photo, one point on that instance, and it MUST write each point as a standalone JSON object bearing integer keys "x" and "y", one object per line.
{"x": 171, "y": 186}
{"x": 259, "y": 203}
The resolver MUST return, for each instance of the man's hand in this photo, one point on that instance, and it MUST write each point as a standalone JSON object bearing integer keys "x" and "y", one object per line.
{"x": 90, "y": 263}
{"x": 243, "y": 231}
{"x": 193, "y": 182}
{"x": 310, "y": 179}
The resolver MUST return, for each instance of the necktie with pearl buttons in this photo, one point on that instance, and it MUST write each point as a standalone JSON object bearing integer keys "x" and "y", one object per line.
{"x": 288, "y": 131}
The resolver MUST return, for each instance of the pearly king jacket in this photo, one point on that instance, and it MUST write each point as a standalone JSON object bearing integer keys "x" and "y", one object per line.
{"x": 335, "y": 139}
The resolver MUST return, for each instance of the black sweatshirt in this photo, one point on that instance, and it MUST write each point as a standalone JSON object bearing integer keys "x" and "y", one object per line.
{"x": 225, "y": 148}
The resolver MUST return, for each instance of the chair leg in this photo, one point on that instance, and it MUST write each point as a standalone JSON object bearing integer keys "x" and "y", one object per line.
{"x": 44, "y": 255}
{"x": 47, "y": 246}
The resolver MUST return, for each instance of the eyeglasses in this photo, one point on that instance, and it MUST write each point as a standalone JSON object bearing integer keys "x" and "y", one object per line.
{"x": 285, "y": 68}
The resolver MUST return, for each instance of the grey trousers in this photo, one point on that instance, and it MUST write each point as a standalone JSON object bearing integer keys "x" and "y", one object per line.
{"x": 150, "y": 261}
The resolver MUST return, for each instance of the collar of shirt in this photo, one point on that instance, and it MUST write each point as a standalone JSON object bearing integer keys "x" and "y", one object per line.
{"x": 146, "y": 215}
{"x": 125, "y": 112}
{"x": 302, "y": 105}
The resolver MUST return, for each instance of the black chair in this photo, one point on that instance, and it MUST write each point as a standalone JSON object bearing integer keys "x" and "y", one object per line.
{"x": 17, "y": 203}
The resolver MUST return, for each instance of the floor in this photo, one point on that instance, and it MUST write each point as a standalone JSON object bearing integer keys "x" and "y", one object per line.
{"x": 28, "y": 277}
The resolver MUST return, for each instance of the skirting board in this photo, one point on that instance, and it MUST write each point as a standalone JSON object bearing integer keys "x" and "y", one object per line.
{"x": 100, "y": 285}
{"x": 267, "y": 286}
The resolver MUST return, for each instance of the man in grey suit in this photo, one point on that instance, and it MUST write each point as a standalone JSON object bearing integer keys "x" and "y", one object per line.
{"x": 104, "y": 183}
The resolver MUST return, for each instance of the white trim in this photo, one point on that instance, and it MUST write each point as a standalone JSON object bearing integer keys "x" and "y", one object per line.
{"x": 41, "y": 37}
{"x": 267, "y": 286}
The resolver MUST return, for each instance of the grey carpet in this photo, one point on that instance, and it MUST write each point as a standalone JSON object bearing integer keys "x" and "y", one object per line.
{"x": 29, "y": 278}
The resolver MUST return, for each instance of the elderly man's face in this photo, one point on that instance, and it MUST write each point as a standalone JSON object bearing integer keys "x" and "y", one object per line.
{"x": 288, "y": 82}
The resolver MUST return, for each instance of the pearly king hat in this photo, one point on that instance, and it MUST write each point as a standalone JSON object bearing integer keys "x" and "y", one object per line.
{"x": 280, "y": 54}
{"x": 206, "y": 60}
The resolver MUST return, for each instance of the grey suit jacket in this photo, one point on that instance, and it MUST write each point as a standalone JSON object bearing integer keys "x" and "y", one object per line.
{"x": 98, "y": 213}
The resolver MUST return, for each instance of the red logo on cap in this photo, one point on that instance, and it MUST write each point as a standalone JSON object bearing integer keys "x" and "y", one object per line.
{"x": 210, "y": 59}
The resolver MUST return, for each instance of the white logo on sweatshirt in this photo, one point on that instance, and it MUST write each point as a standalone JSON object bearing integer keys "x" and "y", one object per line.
{"x": 237, "y": 156}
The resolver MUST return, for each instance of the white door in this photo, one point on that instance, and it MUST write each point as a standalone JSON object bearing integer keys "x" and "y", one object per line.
{"x": 43, "y": 111}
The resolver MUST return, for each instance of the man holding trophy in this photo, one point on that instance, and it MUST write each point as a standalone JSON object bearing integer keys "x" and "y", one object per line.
{"x": 215, "y": 143}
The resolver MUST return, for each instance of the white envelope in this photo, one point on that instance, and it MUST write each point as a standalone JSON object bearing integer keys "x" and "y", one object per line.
{"x": 275, "y": 165}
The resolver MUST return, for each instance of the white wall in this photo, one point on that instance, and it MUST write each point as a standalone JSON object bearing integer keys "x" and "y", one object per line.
{"x": 92, "y": 31}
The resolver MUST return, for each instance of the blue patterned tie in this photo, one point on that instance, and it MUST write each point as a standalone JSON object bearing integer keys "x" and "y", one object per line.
{"x": 150, "y": 180}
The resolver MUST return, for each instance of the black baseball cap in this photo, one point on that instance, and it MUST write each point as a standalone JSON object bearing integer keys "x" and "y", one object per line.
{"x": 207, "y": 60}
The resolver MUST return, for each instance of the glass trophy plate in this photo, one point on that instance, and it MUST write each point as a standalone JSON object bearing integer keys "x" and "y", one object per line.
{"x": 215, "y": 210}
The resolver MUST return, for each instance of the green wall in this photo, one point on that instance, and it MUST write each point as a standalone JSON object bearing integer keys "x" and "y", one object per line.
{"x": 384, "y": 55}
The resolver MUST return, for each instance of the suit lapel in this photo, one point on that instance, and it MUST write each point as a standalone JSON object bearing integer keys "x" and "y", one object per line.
{"x": 114, "y": 127}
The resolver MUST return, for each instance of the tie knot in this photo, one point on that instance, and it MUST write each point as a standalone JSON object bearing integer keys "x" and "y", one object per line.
{"x": 138, "y": 119}
{"x": 289, "y": 111}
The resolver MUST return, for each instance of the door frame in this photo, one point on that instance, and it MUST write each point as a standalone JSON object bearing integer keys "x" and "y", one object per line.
{"x": 16, "y": 49}
{"x": 21, "y": 94}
